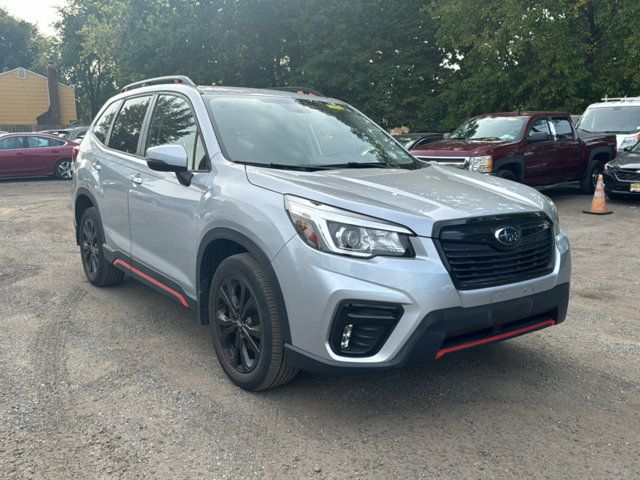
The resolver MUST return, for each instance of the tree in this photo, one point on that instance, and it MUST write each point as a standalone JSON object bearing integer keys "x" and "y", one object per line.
{"x": 19, "y": 42}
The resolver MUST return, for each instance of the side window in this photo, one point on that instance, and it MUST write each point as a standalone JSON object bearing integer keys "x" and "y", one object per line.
{"x": 540, "y": 125}
{"x": 173, "y": 123}
{"x": 11, "y": 143}
{"x": 101, "y": 128}
{"x": 201, "y": 161}
{"x": 562, "y": 128}
{"x": 39, "y": 142}
{"x": 126, "y": 129}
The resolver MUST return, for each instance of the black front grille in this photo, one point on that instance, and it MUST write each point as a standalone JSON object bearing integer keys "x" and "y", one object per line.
{"x": 628, "y": 175}
{"x": 475, "y": 258}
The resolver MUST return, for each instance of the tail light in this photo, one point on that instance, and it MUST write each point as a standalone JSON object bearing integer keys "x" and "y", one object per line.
{"x": 74, "y": 153}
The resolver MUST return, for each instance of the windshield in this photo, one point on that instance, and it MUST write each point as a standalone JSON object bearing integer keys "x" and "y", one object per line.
{"x": 301, "y": 133}
{"x": 493, "y": 129}
{"x": 610, "y": 120}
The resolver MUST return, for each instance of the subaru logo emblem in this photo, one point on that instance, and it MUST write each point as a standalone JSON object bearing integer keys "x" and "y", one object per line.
{"x": 508, "y": 236}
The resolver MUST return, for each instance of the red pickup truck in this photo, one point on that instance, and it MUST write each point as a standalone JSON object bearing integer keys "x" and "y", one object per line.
{"x": 535, "y": 148}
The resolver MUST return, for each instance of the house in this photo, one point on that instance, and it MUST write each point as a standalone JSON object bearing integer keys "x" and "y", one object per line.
{"x": 27, "y": 98}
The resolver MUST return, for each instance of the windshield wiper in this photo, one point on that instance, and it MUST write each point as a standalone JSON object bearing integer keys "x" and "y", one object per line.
{"x": 487, "y": 139}
{"x": 353, "y": 165}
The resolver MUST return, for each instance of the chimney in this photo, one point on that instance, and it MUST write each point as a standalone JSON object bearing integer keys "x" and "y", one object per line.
{"x": 52, "y": 115}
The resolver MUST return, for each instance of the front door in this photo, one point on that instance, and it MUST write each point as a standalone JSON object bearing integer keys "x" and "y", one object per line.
{"x": 539, "y": 157}
{"x": 164, "y": 212}
{"x": 12, "y": 156}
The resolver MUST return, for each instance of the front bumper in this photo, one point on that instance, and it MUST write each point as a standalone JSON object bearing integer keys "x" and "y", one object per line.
{"x": 614, "y": 185}
{"x": 315, "y": 284}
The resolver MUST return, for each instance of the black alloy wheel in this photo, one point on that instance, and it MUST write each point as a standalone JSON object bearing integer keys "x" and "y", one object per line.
{"x": 90, "y": 248}
{"x": 238, "y": 324}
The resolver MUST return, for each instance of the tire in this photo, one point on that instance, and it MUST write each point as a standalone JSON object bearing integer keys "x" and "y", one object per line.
{"x": 246, "y": 326}
{"x": 588, "y": 183}
{"x": 62, "y": 170}
{"x": 507, "y": 175}
{"x": 97, "y": 269}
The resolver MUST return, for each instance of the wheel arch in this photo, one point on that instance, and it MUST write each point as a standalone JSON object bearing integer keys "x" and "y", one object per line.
{"x": 515, "y": 163}
{"x": 83, "y": 200}
{"x": 218, "y": 244}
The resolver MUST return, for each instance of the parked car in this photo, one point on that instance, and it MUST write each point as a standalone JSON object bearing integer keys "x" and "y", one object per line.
{"x": 62, "y": 132}
{"x": 35, "y": 154}
{"x": 77, "y": 134}
{"x": 622, "y": 175}
{"x": 308, "y": 238}
{"x": 411, "y": 140}
{"x": 617, "y": 116}
{"x": 575, "y": 119}
{"x": 535, "y": 148}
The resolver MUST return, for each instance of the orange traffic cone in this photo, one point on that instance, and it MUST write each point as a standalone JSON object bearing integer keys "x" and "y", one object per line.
{"x": 598, "y": 204}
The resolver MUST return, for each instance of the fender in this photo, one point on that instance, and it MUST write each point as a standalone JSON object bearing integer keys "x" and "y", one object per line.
{"x": 510, "y": 160}
{"x": 605, "y": 150}
{"x": 86, "y": 192}
{"x": 202, "y": 287}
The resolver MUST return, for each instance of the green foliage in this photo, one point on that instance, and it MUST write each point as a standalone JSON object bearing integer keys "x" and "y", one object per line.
{"x": 19, "y": 43}
{"x": 427, "y": 65}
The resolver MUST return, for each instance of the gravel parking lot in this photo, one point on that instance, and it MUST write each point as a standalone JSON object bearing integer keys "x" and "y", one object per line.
{"x": 122, "y": 382}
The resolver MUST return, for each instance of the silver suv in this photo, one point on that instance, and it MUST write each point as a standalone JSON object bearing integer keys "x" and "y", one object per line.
{"x": 305, "y": 236}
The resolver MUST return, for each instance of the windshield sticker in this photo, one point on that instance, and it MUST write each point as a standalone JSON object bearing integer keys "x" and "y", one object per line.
{"x": 335, "y": 107}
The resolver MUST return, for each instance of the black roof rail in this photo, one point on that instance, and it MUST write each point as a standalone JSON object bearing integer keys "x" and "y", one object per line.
{"x": 300, "y": 90}
{"x": 179, "y": 79}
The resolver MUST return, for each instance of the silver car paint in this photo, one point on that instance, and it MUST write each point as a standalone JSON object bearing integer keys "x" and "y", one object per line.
{"x": 169, "y": 221}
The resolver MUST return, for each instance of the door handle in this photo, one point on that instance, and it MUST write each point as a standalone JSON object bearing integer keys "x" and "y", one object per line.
{"x": 96, "y": 166}
{"x": 135, "y": 179}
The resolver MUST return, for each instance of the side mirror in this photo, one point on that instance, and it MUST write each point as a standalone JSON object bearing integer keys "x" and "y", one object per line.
{"x": 445, "y": 136}
{"x": 626, "y": 149}
{"x": 537, "y": 137}
{"x": 167, "y": 158}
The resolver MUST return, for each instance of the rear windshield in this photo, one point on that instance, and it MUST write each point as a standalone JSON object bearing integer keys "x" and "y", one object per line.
{"x": 491, "y": 129}
{"x": 302, "y": 133}
{"x": 610, "y": 120}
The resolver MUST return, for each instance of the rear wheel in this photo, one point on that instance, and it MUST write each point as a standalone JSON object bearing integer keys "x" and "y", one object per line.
{"x": 62, "y": 170}
{"x": 588, "y": 183}
{"x": 97, "y": 269}
{"x": 247, "y": 328}
{"x": 507, "y": 174}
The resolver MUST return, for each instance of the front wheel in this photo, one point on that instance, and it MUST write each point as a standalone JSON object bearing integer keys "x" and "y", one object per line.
{"x": 588, "y": 183}
{"x": 62, "y": 170}
{"x": 507, "y": 175}
{"x": 246, "y": 325}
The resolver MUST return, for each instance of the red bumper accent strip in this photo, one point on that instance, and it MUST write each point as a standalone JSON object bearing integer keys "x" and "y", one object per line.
{"x": 152, "y": 280}
{"x": 536, "y": 326}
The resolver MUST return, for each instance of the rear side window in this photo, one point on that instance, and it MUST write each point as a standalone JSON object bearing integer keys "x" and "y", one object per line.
{"x": 10, "y": 143}
{"x": 101, "y": 128}
{"x": 173, "y": 123}
{"x": 39, "y": 142}
{"x": 562, "y": 128}
{"x": 126, "y": 129}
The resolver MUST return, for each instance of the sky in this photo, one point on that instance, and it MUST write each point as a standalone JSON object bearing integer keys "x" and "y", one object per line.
{"x": 40, "y": 12}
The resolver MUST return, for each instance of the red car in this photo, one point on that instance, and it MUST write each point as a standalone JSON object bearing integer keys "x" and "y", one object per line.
{"x": 535, "y": 148}
{"x": 35, "y": 154}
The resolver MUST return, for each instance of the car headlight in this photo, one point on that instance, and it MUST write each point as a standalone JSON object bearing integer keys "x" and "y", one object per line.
{"x": 482, "y": 164}
{"x": 553, "y": 213}
{"x": 609, "y": 166}
{"x": 629, "y": 141}
{"x": 332, "y": 230}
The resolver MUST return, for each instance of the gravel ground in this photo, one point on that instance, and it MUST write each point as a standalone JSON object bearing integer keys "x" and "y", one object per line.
{"x": 123, "y": 383}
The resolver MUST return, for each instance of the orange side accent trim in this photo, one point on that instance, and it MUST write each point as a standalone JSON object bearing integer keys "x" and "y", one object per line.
{"x": 152, "y": 280}
{"x": 442, "y": 352}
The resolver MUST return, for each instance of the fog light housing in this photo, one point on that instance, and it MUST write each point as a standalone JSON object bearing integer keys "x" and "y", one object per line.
{"x": 360, "y": 328}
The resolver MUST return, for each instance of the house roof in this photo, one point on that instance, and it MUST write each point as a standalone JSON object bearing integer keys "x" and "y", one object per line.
{"x": 36, "y": 74}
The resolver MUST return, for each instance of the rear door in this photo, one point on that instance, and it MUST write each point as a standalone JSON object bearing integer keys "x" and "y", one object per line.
{"x": 567, "y": 156}
{"x": 112, "y": 165}
{"x": 43, "y": 153}
{"x": 164, "y": 212}
{"x": 539, "y": 157}
{"x": 12, "y": 156}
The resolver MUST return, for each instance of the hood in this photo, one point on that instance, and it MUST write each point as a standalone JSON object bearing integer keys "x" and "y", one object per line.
{"x": 413, "y": 198}
{"x": 627, "y": 160}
